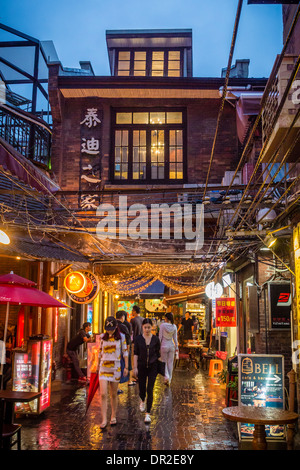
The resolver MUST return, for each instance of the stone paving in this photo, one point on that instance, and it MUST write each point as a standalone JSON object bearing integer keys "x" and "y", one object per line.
{"x": 185, "y": 416}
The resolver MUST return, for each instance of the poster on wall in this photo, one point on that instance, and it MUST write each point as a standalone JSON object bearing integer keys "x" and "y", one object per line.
{"x": 261, "y": 384}
{"x": 280, "y": 302}
{"x": 127, "y": 306}
{"x": 225, "y": 312}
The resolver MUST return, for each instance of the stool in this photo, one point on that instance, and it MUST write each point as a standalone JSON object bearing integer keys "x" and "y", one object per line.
{"x": 183, "y": 356}
{"x": 215, "y": 366}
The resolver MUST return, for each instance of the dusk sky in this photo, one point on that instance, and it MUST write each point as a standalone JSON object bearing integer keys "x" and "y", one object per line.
{"x": 77, "y": 29}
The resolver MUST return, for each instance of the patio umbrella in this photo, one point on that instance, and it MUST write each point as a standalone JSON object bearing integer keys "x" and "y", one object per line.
{"x": 15, "y": 290}
{"x": 94, "y": 384}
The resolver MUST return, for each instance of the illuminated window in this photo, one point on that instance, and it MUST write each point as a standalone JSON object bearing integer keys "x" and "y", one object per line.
{"x": 154, "y": 63}
{"x": 148, "y": 146}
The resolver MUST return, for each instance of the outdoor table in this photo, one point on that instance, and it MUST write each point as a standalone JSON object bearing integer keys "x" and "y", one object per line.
{"x": 260, "y": 416}
{"x": 12, "y": 397}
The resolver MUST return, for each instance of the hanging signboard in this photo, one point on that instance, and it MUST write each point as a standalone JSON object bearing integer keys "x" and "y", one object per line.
{"x": 261, "y": 384}
{"x": 81, "y": 292}
{"x": 280, "y": 301}
{"x": 225, "y": 312}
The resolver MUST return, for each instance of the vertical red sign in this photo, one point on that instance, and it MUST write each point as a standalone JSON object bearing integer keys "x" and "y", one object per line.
{"x": 225, "y": 312}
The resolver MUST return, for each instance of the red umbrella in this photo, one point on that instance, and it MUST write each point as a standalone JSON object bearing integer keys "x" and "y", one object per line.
{"x": 13, "y": 278}
{"x": 16, "y": 290}
{"x": 94, "y": 384}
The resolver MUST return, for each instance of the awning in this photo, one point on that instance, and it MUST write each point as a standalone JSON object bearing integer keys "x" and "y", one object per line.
{"x": 17, "y": 165}
{"x": 178, "y": 298}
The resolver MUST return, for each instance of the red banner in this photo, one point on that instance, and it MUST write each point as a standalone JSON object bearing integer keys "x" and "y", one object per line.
{"x": 225, "y": 312}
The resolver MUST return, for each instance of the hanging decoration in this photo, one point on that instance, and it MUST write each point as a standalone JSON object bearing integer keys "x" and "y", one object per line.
{"x": 137, "y": 279}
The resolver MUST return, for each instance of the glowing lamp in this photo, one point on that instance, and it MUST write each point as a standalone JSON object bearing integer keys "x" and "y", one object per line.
{"x": 75, "y": 282}
{"x": 4, "y": 238}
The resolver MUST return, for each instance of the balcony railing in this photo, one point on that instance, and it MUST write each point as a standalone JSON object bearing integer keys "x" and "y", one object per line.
{"x": 27, "y": 134}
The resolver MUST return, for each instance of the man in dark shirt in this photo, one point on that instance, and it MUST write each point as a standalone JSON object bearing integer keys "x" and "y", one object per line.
{"x": 136, "y": 323}
{"x": 73, "y": 346}
{"x": 188, "y": 326}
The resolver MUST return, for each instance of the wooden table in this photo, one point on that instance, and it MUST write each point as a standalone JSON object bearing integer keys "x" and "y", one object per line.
{"x": 260, "y": 417}
{"x": 12, "y": 397}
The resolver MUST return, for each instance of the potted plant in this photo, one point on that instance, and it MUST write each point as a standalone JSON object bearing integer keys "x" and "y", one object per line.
{"x": 233, "y": 390}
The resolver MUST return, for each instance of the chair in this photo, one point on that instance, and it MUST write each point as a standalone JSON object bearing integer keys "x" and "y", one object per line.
{"x": 7, "y": 431}
{"x": 215, "y": 366}
{"x": 183, "y": 356}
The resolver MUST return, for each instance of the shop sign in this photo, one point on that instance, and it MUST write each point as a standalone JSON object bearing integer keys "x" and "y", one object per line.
{"x": 261, "y": 384}
{"x": 225, "y": 312}
{"x": 280, "y": 302}
{"x": 86, "y": 294}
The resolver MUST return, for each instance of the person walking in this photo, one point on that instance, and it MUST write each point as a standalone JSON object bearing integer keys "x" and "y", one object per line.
{"x": 121, "y": 316}
{"x": 136, "y": 324}
{"x": 73, "y": 345}
{"x": 168, "y": 345}
{"x": 146, "y": 355}
{"x": 112, "y": 346}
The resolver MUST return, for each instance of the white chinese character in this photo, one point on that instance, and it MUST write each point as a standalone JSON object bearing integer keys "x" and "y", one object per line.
{"x": 89, "y": 202}
{"x": 90, "y": 146}
{"x": 91, "y": 118}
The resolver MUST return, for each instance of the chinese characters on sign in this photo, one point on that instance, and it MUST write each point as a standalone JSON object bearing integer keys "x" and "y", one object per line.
{"x": 90, "y": 155}
{"x": 225, "y": 312}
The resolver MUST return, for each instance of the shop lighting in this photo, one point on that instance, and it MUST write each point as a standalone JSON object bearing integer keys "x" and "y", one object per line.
{"x": 270, "y": 241}
{"x": 4, "y": 238}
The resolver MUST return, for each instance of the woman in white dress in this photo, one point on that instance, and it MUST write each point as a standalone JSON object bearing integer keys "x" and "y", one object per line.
{"x": 169, "y": 345}
{"x": 112, "y": 346}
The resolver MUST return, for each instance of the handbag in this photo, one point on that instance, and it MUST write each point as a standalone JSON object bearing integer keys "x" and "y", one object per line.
{"x": 161, "y": 366}
{"x": 123, "y": 379}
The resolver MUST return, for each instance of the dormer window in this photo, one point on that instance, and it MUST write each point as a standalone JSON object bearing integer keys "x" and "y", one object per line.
{"x": 151, "y": 63}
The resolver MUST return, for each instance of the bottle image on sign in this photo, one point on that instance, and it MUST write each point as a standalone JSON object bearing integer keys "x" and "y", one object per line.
{"x": 247, "y": 366}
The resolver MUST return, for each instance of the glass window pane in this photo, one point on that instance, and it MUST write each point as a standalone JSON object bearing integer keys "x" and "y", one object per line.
{"x": 179, "y": 154}
{"x": 124, "y": 118}
{"x": 139, "y": 65}
{"x": 139, "y": 73}
{"x": 179, "y": 137}
{"x": 174, "y": 73}
{"x": 157, "y": 118}
{"x": 124, "y": 154}
{"x": 140, "y": 118}
{"x": 143, "y": 138}
{"x": 123, "y": 73}
{"x": 158, "y": 73}
{"x": 174, "y": 55}
{"x": 125, "y": 138}
{"x": 140, "y": 55}
{"x": 124, "y": 55}
{"x": 157, "y": 65}
{"x": 158, "y": 55}
{"x": 123, "y": 65}
{"x": 118, "y": 138}
{"x": 174, "y": 117}
{"x": 118, "y": 154}
{"x": 174, "y": 65}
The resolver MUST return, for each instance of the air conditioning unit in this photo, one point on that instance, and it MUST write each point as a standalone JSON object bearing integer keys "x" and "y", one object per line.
{"x": 227, "y": 178}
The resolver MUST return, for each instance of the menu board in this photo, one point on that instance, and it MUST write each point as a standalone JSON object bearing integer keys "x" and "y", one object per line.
{"x": 261, "y": 384}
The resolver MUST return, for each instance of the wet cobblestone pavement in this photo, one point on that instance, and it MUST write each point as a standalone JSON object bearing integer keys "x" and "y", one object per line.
{"x": 185, "y": 416}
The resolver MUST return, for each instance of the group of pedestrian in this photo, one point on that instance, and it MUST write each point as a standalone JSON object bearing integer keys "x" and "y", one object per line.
{"x": 129, "y": 351}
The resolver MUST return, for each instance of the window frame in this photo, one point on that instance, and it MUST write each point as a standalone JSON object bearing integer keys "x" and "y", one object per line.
{"x": 148, "y": 127}
{"x": 149, "y": 51}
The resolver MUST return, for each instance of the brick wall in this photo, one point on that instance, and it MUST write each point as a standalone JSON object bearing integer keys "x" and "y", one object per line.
{"x": 201, "y": 125}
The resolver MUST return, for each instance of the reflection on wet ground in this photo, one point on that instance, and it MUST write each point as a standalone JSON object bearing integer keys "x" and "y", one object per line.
{"x": 185, "y": 416}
